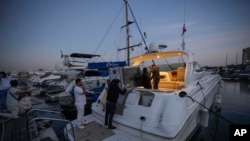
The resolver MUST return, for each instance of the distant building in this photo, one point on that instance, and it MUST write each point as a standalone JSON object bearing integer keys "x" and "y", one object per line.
{"x": 246, "y": 56}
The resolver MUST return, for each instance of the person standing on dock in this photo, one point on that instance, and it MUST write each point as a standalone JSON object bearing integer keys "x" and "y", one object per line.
{"x": 14, "y": 95}
{"x": 80, "y": 101}
{"x": 4, "y": 86}
{"x": 155, "y": 75}
{"x": 113, "y": 93}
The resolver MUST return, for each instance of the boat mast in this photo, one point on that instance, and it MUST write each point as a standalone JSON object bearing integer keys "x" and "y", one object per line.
{"x": 127, "y": 31}
{"x": 226, "y": 59}
{"x": 237, "y": 57}
{"x": 128, "y": 36}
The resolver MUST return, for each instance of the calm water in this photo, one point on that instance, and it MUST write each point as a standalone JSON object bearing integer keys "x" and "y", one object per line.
{"x": 235, "y": 107}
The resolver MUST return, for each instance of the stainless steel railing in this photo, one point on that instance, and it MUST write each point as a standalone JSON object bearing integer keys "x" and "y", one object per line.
{"x": 35, "y": 117}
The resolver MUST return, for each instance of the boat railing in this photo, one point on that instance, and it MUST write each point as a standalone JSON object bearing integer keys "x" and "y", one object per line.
{"x": 34, "y": 118}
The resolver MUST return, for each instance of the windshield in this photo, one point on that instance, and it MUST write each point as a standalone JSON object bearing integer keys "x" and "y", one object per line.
{"x": 167, "y": 64}
{"x": 168, "y": 67}
{"x": 197, "y": 67}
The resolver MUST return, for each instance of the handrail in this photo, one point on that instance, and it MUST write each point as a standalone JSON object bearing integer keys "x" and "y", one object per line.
{"x": 63, "y": 120}
{"x": 48, "y": 118}
{"x": 41, "y": 110}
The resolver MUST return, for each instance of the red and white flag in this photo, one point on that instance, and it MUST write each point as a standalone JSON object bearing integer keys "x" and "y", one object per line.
{"x": 183, "y": 29}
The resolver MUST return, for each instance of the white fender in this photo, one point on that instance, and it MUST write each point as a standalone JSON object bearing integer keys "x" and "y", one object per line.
{"x": 204, "y": 117}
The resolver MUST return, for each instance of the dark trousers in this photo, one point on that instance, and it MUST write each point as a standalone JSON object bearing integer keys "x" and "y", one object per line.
{"x": 3, "y": 98}
{"x": 110, "y": 112}
{"x": 156, "y": 82}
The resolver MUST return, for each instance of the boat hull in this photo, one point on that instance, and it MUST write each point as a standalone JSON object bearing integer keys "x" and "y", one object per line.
{"x": 126, "y": 132}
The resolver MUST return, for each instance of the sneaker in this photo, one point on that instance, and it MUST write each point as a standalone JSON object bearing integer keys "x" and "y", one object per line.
{"x": 85, "y": 122}
{"x": 111, "y": 127}
{"x": 80, "y": 127}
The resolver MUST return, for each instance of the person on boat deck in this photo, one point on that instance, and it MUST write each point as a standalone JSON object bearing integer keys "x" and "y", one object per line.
{"x": 14, "y": 95}
{"x": 113, "y": 93}
{"x": 145, "y": 79}
{"x": 4, "y": 86}
{"x": 80, "y": 101}
{"x": 155, "y": 75}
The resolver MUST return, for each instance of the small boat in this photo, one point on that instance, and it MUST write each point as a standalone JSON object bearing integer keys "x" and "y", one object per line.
{"x": 171, "y": 112}
{"x": 50, "y": 92}
{"x": 245, "y": 74}
{"x": 93, "y": 81}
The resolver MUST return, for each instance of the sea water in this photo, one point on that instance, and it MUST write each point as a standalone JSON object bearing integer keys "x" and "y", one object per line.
{"x": 234, "y": 109}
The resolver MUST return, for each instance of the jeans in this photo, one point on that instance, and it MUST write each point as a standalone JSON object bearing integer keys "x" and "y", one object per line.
{"x": 110, "y": 112}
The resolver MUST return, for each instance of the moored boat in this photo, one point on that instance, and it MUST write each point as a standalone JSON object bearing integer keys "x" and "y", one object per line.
{"x": 171, "y": 112}
{"x": 245, "y": 74}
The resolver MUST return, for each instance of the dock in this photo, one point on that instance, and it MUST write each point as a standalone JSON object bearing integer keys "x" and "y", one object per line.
{"x": 17, "y": 129}
{"x": 14, "y": 129}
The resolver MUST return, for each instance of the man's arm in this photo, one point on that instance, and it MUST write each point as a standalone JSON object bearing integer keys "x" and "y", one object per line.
{"x": 122, "y": 91}
{"x": 23, "y": 92}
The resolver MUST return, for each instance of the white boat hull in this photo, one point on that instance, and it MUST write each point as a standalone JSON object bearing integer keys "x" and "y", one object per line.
{"x": 125, "y": 132}
{"x": 172, "y": 112}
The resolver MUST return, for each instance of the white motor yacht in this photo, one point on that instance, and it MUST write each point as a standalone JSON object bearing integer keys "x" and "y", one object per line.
{"x": 172, "y": 112}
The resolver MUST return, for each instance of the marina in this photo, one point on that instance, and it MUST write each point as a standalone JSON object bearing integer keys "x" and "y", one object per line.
{"x": 234, "y": 107}
{"x": 164, "y": 91}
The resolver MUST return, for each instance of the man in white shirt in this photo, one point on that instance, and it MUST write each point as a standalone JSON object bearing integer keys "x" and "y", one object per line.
{"x": 80, "y": 101}
{"x": 13, "y": 98}
{"x": 4, "y": 81}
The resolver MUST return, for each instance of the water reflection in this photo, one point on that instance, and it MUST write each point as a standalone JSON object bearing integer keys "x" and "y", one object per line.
{"x": 245, "y": 87}
{"x": 235, "y": 107}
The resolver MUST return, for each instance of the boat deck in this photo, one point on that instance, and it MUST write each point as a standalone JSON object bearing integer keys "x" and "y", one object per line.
{"x": 95, "y": 131}
{"x": 17, "y": 129}
{"x": 14, "y": 129}
{"x": 92, "y": 131}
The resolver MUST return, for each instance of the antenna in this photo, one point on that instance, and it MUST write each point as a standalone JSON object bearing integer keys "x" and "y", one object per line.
{"x": 226, "y": 59}
{"x": 237, "y": 57}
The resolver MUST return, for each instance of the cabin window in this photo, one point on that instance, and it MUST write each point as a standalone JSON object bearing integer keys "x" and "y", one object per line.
{"x": 146, "y": 98}
{"x": 197, "y": 67}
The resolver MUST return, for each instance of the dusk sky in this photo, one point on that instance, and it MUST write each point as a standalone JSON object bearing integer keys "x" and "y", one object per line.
{"x": 33, "y": 32}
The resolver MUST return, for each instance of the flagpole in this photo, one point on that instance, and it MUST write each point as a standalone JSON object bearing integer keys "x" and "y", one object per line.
{"x": 184, "y": 27}
{"x": 184, "y": 11}
{"x": 237, "y": 58}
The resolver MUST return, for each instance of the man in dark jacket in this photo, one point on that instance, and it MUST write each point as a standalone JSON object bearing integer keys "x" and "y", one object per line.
{"x": 145, "y": 79}
{"x": 113, "y": 93}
